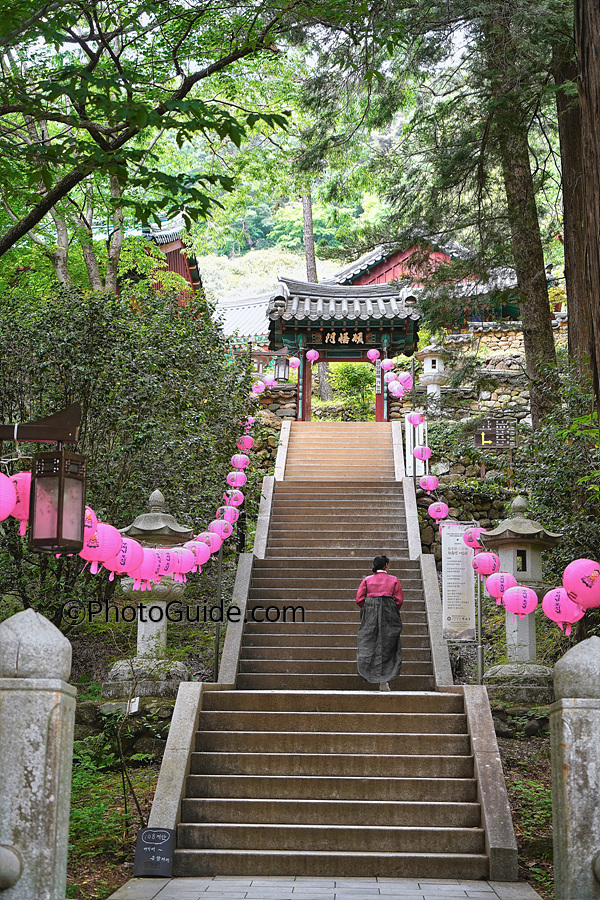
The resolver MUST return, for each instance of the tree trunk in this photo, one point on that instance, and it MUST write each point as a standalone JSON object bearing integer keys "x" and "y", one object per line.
{"x": 569, "y": 130}
{"x": 91, "y": 264}
{"x": 309, "y": 239}
{"x": 325, "y": 389}
{"x": 511, "y": 129}
{"x": 115, "y": 241}
{"x": 587, "y": 40}
{"x": 60, "y": 257}
{"x": 538, "y": 339}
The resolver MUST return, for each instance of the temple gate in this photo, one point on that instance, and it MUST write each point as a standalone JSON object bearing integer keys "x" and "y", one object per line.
{"x": 342, "y": 322}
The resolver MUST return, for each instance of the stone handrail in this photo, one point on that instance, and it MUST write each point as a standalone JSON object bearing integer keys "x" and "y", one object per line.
{"x": 233, "y": 636}
{"x": 264, "y": 517}
{"x": 496, "y": 819}
{"x": 282, "y": 449}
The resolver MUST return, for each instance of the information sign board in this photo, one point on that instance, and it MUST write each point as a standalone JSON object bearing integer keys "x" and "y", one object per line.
{"x": 458, "y": 583}
{"x": 154, "y": 848}
{"x": 496, "y": 434}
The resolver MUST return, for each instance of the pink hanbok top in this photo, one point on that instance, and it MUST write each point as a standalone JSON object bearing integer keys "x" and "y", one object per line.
{"x": 380, "y": 584}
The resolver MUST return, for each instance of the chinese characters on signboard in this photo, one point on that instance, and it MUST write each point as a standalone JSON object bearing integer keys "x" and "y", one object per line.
{"x": 496, "y": 434}
{"x": 344, "y": 337}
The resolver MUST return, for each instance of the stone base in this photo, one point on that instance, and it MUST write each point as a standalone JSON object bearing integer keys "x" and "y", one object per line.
{"x": 527, "y": 684}
{"x": 143, "y": 677}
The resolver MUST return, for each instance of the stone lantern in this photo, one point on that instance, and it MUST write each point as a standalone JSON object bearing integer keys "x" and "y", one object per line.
{"x": 519, "y": 542}
{"x": 150, "y": 674}
{"x": 433, "y": 371}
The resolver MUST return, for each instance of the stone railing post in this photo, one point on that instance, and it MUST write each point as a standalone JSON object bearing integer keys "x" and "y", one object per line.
{"x": 575, "y": 737}
{"x": 37, "y": 716}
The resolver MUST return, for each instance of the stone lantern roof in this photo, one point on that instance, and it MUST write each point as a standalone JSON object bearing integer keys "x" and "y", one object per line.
{"x": 431, "y": 350}
{"x": 157, "y": 528}
{"x": 520, "y": 529}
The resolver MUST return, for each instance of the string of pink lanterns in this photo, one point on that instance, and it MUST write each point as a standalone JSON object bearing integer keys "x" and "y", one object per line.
{"x": 564, "y": 605}
{"x": 105, "y": 547}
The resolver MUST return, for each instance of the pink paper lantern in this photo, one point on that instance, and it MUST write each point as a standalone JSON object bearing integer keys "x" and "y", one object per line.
{"x": 8, "y": 496}
{"x": 193, "y": 547}
{"x": 103, "y": 544}
{"x": 269, "y": 381}
{"x": 373, "y": 355}
{"x": 387, "y": 365}
{"x": 221, "y": 527}
{"x": 389, "y": 376}
{"x": 312, "y": 356}
{"x": 294, "y": 362}
{"x": 229, "y": 513}
{"x": 519, "y": 600}
{"x": 406, "y": 381}
{"x": 240, "y": 461}
{"x": 581, "y": 581}
{"x": 258, "y": 388}
{"x": 245, "y": 442}
{"x": 200, "y": 550}
{"x": 146, "y": 572}
{"x": 471, "y": 537}
{"x": 130, "y": 556}
{"x": 498, "y": 583}
{"x": 558, "y": 607}
{"x": 438, "y": 511}
{"x": 416, "y": 419}
{"x": 236, "y": 479}
{"x": 168, "y": 562}
{"x": 394, "y": 385}
{"x": 422, "y": 452}
{"x": 233, "y": 498}
{"x": 429, "y": 483}
{"x": 486, "y": 563}
{"x": 90, "y": 523}
{"x": 22, "y": 483}
{"x": 186, "y": 561}
{"x": 211, "y": 539}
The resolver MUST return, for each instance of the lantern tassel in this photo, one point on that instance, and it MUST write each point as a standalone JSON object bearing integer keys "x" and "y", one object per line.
{"x": 568, "y": 631}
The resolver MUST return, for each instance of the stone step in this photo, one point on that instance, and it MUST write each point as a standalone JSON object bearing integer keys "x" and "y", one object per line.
{"x": 343, "y": 552}
{"x": 409, "y": 654}
{"x": 417, "y": 628}
{"x": 375, "y": 722}
{"x": 281, "y": 641}
{"x": 275, "y": 681}
{"x": 333, "y": 812}
{"x": 358, "y": 701}
{"x": 304, "y": 787}
{"x": 351, "y": 764}
{"x": 312, "y": 742}
{"x": 352, "y": 863}
{"x": 320, "y": 667}
{"x": 370, "y": 838}
{"x": 334, "y": 599}
{"x": 318, "y": 623}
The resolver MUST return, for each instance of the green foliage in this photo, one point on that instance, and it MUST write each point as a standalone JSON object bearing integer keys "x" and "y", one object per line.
{"x": 162, "y": 395}
{"x": 356, "y": 384}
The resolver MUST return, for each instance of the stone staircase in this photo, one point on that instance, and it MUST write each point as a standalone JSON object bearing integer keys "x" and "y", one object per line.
{"x": 303, "y": 769}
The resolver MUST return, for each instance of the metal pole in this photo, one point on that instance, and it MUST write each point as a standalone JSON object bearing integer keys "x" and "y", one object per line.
{"x": 479, "y": 643}
{"x": 218, "y": 624}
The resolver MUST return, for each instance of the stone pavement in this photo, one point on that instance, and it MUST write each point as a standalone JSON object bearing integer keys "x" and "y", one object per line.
{"x": 230, "y": 887}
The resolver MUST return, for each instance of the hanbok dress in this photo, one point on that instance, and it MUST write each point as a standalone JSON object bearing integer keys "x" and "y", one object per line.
{"x": 379, "y": 655}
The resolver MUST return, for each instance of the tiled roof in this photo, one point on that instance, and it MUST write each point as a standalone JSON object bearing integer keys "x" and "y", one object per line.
{"x": 302, "y": 301}
{"x": 246, "y": 319}
{"x": 384, "y": 251}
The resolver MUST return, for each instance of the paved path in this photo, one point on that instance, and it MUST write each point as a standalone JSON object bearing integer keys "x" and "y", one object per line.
{"x": 228, "y": 887}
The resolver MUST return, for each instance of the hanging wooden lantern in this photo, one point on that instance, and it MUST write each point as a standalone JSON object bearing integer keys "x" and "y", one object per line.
{"x": 57, "y": 502}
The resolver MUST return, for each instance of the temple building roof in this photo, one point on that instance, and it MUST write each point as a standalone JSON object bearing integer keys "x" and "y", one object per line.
{"x": 301, "y": 312}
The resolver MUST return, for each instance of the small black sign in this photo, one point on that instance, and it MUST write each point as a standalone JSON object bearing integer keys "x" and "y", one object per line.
{"x": 496, "y": 433}
{"x": 154, "y": 849}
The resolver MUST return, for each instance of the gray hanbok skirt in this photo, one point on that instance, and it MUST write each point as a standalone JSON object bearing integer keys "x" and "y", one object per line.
{"x": 379, "y": 656}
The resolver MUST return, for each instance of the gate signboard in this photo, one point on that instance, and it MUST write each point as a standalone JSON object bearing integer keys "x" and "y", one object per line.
{"x": 458, "y": 583}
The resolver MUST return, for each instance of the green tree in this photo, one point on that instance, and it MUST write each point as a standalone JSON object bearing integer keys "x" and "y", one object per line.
{"x": 162, "y": 396}
{"x": 356, "y": 384}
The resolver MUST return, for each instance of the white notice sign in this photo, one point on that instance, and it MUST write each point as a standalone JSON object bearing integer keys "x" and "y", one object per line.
{"x": 458, "y": 583}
